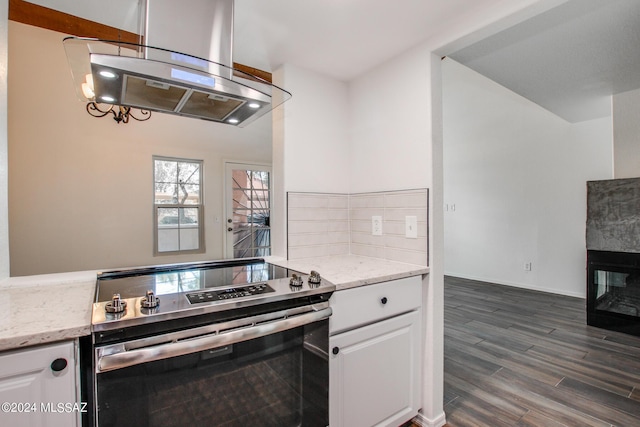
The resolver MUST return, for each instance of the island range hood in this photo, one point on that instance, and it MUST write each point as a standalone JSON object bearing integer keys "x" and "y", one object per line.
{"x": 184, "y": 67}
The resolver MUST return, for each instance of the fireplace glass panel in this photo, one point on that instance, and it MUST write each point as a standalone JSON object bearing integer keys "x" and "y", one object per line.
{"x": 613, "y": 291}
{"x": 617, "y": 292}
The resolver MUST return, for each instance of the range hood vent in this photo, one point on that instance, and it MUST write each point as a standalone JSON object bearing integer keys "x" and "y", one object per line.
{"x": 179, "y": 79}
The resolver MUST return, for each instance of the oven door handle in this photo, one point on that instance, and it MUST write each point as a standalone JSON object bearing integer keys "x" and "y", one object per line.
{"x": 125, "y": 358}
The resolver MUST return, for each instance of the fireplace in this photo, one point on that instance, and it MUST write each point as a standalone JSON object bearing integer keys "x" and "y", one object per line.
{"x": 613, "y": 290}
{"x": 613, "y": 254}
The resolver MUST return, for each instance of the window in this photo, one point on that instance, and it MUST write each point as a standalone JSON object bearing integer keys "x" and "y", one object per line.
{"x": 178, "y": 209}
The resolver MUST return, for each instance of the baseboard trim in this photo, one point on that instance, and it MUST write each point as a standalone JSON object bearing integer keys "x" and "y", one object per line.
{"x": 517, "y": 285}
{"x": 423, "y": 421}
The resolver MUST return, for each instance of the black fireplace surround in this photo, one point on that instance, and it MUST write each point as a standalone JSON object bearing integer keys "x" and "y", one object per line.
{"x": 613, "y": 291}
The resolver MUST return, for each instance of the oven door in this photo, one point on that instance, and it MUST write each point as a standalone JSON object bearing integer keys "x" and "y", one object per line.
{"x": 267, "y": 370}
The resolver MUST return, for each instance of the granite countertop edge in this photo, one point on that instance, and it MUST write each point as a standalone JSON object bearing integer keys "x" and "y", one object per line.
{"x": 45, "y": 308}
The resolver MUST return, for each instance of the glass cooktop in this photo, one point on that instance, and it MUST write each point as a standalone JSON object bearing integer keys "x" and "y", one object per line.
{"x": 185, "y": 278}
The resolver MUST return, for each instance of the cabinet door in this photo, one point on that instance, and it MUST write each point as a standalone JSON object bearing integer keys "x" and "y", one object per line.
{"x": 32, "y": 389}
{"x": 374, "y": 373}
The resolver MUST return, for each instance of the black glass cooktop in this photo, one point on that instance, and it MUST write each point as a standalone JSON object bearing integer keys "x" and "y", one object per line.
{"x": 189, "y": 279}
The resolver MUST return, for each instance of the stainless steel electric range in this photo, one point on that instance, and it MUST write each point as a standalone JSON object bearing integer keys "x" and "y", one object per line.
{"x": 223, "y": 343}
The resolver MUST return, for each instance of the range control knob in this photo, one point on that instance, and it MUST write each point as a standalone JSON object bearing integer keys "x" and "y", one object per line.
{"x": 315, "y": 278}
{"x": 116, "y": 305}
{"x": 296, "y": 281}
{"x": 150, "y": 300}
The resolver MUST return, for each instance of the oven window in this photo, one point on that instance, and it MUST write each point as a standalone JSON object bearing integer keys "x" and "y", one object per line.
{"x": 280, "y": 380}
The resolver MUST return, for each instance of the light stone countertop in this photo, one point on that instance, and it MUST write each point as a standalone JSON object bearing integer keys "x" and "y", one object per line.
{"x": 45, "y": 308}
{"x": 55, "y": 307}
{"x": 350, "y": 271}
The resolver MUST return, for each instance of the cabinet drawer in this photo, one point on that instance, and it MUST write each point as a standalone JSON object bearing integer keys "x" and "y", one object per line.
{"x": 367, "y": 304}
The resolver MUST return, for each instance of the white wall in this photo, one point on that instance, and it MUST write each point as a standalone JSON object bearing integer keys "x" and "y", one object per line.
{"x": 390, "y": 135}
{"x": 316, "y": 133}
{"x": 517, "y": 177}
{"x": 626, "y": 134}
{"x": 310, "y": 142}
{"x": 4, "y": 198}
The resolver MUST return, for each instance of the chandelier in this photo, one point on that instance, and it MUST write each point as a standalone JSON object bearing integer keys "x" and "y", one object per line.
{"x": 120, "y": 113}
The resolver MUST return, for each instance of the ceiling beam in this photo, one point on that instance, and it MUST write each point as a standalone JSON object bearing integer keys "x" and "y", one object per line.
{"x": 50, "y": 19}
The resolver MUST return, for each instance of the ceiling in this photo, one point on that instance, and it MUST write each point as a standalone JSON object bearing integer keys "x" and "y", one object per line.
{"x": 569, "y": 59}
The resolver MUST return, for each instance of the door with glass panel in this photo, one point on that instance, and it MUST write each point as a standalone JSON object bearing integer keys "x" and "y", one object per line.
{"x": 248, "y": 206}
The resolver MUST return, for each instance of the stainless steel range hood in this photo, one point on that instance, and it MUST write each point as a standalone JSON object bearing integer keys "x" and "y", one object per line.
{"x": 190, "y": 74}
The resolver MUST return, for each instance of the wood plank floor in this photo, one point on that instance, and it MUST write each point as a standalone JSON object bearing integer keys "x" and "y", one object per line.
{"x": 515, "y": 357}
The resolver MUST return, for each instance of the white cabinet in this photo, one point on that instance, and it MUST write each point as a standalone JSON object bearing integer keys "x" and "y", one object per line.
{"x": 38, "y": 387}
{"x": 375, "y": 354}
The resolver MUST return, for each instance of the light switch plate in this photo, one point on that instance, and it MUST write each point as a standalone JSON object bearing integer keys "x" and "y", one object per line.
{"x": 411, "y": 226}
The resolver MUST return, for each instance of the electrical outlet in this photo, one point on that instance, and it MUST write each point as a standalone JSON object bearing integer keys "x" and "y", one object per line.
{"x": 376, "y": 225}
{"x": 411, "y": 227}
{"x": 527, "y": 266}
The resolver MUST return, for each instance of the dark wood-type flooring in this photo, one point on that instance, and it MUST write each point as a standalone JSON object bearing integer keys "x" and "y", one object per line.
{"x": 514, "y": 357}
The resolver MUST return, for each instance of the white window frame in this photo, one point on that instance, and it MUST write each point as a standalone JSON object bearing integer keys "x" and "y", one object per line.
{"x": 199, "y": 206}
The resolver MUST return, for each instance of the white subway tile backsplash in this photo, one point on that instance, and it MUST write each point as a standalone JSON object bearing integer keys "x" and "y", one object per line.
{"x": 307, "y": 201}
{"x": 308, "y": 239}
{"x": 333, "y": 238}
{"x": 410, "y": 257}
{"x": 306, "y": 214}
{"x": 366, "y": 250}
{"x": 362, "y": 226}
{"x": 338, "y": 226}
{"x": 401, "y": 242}
{"x": 338, "y": 249}
{"x": 367, "y": 239}
{"x": 409, "y": 199}
{"x": 317, "y": 224}
{"x": 359, "y": 201}
{"x": 332, "y": 224}
{"x": 308, "y": 251}
{"x": 338, "y": 214}
{"x": 399, "y": 214}
{"x": 338, "y": 202}
{"x": 365, "y": 214}
{"x": 297, "y": 227}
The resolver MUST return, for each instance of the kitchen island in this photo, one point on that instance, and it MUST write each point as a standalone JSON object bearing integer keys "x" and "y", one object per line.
{"x": 56, "y": 307}
{"x": 376, "y": 312}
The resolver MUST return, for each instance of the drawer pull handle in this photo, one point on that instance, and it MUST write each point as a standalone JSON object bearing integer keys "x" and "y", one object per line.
{"x": 383, "y": 300}
{"x": 335, "y": 350}
{"x": 58, "y": 365}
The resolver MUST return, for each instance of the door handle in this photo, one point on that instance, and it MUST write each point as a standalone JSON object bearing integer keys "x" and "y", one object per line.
{"x": 58, "y": 365}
